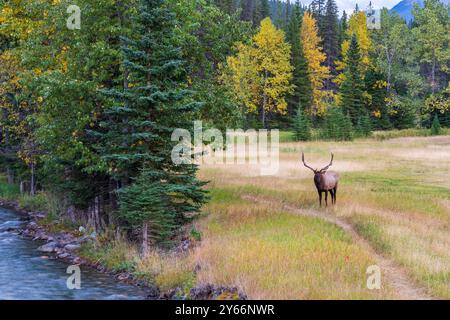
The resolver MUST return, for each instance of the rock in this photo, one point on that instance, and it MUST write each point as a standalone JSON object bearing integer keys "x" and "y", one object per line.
{"x": 123, "y": 276}
{"x": 77, "y": 260}
{"x": 63, "y": 255}
{"x": 153, "y": 293}
{"x": 49, "y": 247}
{"x": 72, "y": 247}
{"x": 32, "y": 225}
{"x": 211, "y": 292}
{"x": 82, "y": 229}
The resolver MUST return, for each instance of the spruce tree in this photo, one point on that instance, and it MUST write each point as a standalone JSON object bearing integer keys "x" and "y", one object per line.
{"x": 248, "y": 10}
{"x": 301, "y": 126}
{"x": 302, "y": 92}
{"x": 136, "y": 137}
{"x": 352, "y": 88}
{"x": 317, "y": 8}
{"x": 337, "y": 125}
{"x": 265, "y": 8}
{"x": 343, "y": 26}
{"x": 331, "y": 38}
{"x": 436, "y": 126}
{"x": 364, "y": 126}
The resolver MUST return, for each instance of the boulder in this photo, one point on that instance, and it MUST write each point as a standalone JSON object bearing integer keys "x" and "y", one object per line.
{"x": 49, "y": 247}
{"x": 72, "y": 247}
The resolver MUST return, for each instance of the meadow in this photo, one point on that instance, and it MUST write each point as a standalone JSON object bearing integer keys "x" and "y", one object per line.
{"x": 268, "y": 235}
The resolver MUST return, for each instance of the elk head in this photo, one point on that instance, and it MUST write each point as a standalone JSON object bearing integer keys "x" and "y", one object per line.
{"x": 325, "y": 181}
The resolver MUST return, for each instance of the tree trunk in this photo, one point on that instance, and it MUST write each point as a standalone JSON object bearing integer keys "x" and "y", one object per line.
{"x": 433, "y": 73}
{"x": 145, "y": 239}
{"x": 263, "y": 115}
{"x": 10, "y": 175}
{"x": 33, "y": 182}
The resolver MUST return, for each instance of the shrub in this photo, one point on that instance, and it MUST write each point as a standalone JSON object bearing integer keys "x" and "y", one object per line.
{"x": 38, "y": 202}
{"x": 337, "y": 126}
{"x": 436, "y": 126}
{"x": 301, "y": 126}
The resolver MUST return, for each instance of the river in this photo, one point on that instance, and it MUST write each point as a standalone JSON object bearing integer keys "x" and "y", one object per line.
{"x": 26, "y": 275}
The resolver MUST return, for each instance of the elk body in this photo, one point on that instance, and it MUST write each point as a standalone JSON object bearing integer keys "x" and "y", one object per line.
{"x": 325, "y": 181}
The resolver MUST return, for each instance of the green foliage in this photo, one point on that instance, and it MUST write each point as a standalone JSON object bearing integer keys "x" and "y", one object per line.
{"x": 436, "y": 126}
{"x": 34, "y": 203}
{"x": 371, "y": 231}
{"x": 135, "y": 140}
{"x": 352, "y": 88}
{"x": 301, "y": 125}
{"x": 196, "y": 234}
{"x": 116, "y": 255}
{"x": 364, "y": 126}
{"x": 337, "y": 126}
{"x": 8, "y": 191}
{"x": 303, "y": 90}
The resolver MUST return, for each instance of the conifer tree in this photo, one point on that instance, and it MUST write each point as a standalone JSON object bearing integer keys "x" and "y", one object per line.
{"x": 364, "y": 126}
{"x": 302, "y": 91}
{"x": 136, "y": 138}
{"x": 337, "y": 125}
{"x": 436, "y": 126}
{"x": 331, "y": 38}
{"x": 352, "y": 88}
{"x": 301, "y": 126}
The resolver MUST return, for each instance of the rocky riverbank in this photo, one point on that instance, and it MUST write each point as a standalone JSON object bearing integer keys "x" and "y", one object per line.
{"x": 64, "y": 246}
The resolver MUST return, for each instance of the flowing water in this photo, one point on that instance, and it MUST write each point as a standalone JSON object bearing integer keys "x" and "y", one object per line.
{"x": 26, "y": 274}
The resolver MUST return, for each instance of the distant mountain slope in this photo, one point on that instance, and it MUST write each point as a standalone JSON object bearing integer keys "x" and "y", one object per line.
{"x": 404, "y": 8}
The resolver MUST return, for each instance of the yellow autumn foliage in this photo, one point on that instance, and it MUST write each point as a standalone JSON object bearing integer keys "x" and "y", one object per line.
{"x": 261, "y": 72}
{"x": 315, "y": 57}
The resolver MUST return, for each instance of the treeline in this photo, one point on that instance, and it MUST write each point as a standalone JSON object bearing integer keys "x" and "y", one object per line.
{"x": 394, "y": 76}
{"x": 87, "y": 114}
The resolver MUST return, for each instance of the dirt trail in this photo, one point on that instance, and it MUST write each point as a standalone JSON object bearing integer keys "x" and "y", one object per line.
{"x": 395, "y": 275}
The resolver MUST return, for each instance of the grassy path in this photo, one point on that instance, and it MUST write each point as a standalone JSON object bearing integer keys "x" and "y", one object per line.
{"x": 404, "y": 287}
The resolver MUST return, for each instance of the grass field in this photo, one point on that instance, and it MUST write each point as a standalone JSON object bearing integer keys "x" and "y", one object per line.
{"x": 268, "y": 235}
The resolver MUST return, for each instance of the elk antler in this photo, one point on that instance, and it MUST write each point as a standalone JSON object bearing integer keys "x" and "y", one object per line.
{"x": 303, "y": 159}
{"x": 331, "y": 163}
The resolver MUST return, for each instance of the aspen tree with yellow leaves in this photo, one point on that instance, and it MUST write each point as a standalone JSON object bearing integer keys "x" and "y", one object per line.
{"x": 318, "y": 72}
{"x": 261, "y": 72}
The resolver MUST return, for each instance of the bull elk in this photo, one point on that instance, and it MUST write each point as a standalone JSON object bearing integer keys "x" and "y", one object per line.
{"x": 325, "y": 181}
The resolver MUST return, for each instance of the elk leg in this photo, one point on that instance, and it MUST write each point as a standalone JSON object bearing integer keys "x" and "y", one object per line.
{"x": 326, "y": 198}
{"x": 335, "y": 194}
{"x": 332, "y": 196}
{"x": 320, "y": 198}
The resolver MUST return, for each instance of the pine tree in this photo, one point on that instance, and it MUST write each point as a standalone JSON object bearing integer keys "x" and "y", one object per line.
{"x": 351, "y": 90}
{"x": 343, "y": 26}
{"x": 136, "y": 137}
{"x": 227, "y": 6}
{"x": 337, "y": 125}
{"x": 248, "y": 9}
{"x": 364, "y": 126}
{"x": 303, "y": 91}
{"x": 265, "y": 9}
{"x": 301, "y": 126}
{"x": 436, "y": 126}
{"x": 331, "y": 38}
{"x": 317, "y": 9}
{"x": 262, "y": 11}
